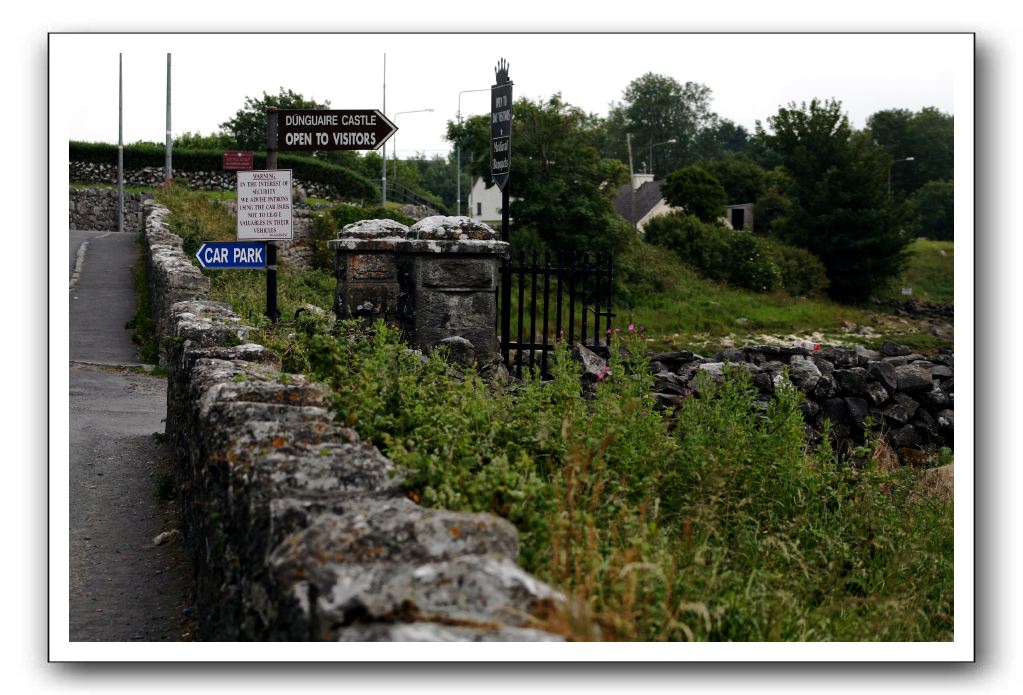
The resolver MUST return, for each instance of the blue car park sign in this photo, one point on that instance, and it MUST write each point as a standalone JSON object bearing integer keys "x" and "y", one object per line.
{"x": 228, "y": 255}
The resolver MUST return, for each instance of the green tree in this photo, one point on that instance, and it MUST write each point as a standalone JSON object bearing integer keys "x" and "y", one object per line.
{"x": 839, "y": 206}
{"x": 721, "y": 138}
{"x": 697, "y": 192}
{"x": 561, "y": 186}
{"x": 743, "y": 179}
{"x": 933, "y": 210}
{"x": 654, "y": 110}
{"x": 248, "y": 127}
{"x": 926, "y": 136}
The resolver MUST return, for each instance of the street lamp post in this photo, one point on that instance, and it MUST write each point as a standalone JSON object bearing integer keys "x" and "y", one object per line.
{"x": 658, "y": 144}
{"x": 394, "y": 138}
{"x": 907, "y": 159}
{"x": 458, "y": 153}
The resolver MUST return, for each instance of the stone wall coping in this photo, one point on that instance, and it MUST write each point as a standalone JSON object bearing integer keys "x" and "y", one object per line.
{"x": 482, "y": 247}
{"x": 452, "y": 228}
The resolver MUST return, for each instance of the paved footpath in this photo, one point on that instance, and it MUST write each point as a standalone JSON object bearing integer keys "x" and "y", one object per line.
{"x": 123, "y": 587}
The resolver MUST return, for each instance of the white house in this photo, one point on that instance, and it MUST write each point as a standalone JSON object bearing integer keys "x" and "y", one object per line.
{"x": 485, "y": 202}
{"x": 642, "y": 201}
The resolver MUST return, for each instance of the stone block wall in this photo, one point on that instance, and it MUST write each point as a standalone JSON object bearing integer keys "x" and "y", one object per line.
{"x": 909, "y": 397}
{"x": 218, "y": 180}
{"x": 296, "y": 528}
{"x": 96, "y": 208}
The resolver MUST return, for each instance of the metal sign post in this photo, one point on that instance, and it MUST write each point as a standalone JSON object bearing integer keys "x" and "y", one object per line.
{"x": 500, "y": 171}
{"x": 271, "y": 247}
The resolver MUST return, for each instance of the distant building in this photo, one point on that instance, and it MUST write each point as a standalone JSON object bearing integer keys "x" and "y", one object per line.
{"x": 649, "y": 203}
{"x": 739, "y": 216}
{"x": 485, "y": 202}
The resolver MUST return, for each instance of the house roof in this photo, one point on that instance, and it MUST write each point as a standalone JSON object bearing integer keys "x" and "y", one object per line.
{"x": 647, "y": 197}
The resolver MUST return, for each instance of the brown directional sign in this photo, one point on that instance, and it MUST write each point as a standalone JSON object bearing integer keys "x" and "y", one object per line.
{"x": 500, "y": 126}
{"x": 238, "y": 161}
{"x": 320, "y": 129}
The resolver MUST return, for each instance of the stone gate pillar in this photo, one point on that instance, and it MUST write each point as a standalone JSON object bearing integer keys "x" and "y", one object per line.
{"x": 436, "y": 280}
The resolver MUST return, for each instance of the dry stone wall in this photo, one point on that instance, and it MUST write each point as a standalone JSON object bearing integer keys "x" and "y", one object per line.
{"x": 96, "y": 208}
{"x": 909, "y": 397}
{"x": 296, "y": 528}
{"x": 92, "y": 172}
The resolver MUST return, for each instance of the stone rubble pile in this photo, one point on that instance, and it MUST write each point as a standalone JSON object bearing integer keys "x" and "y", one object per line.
{"x": 909, "y": 397}
{"x": 296, "y": 528}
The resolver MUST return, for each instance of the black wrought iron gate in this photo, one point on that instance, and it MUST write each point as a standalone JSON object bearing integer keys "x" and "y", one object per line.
{"x": 567, "y": 300}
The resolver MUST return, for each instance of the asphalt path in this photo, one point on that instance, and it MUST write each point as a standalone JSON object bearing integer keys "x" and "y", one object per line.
{"x": 123, "y": 586}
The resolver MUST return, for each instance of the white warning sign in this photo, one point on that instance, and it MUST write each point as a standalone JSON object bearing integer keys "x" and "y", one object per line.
{"x": 264, "y": 205}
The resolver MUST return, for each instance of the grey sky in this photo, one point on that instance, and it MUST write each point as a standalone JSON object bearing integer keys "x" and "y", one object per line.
{"x": 750, "y": 75}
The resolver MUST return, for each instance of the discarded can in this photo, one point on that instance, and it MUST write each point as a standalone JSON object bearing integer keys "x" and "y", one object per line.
{"x": 807, "y": 345}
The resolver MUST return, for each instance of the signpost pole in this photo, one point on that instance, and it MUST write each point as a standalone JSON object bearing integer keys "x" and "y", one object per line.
{"x": 120, "y": 142}
{"x": 271, "y": 246}
{"x": 167, "y": 170}
{"x": 500, "y": 171}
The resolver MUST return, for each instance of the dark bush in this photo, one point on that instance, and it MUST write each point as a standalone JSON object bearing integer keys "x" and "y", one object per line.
{"x": 327, "y": 224}
{"x": 802, "y": 273}
{"x": 716, "y": 251}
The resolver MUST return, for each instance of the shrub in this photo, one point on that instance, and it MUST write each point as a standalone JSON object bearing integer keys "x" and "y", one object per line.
{"x": 802, "y": 273}
{"x": 327, "y": 224}
{"x": 717, "y": 252}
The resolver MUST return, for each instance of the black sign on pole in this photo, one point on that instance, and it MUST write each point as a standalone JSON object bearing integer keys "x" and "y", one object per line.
{"x": 501, "y": 126}
{"x": 323, "y": 129}
{"x": 271, "y": 247}
{"x": 500, "y": 171}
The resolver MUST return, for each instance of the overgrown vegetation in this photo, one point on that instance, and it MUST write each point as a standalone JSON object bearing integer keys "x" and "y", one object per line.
{"x": 738, "y": 258}
{"x": 722, "y": 526}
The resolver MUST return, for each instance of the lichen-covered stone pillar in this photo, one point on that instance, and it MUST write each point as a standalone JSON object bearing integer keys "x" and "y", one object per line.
{"x": 448, "y": 272}
{"x": 436, "y": 280}
{"x": 366, "y": 269}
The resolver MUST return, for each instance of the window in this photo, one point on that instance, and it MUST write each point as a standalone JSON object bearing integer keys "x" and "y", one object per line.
{"x": 479, "y": 209}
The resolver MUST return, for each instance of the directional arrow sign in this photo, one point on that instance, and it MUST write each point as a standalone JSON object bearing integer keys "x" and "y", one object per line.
{"x": 320, "y": 129}
{"x": 231, "y": 255}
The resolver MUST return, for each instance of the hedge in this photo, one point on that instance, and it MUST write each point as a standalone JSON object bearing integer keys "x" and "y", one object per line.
{"x": 348, "y": 183}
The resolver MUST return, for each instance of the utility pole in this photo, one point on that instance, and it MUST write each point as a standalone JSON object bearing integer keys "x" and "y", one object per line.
{"x": 632, "y": 188}
{"x": 167, "y": 170}
{"x": 383, "y": 150}
{"x": 120, "y": 142}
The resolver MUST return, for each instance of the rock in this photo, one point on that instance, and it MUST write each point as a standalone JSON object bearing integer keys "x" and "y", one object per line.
{"x": 946, "y": 420}
{"x": 858, "y": 412}
{"x": 668, "y": 382}
{"x": 594, "y": 366}
{"x": 866, "y": 353}
{"x": 667, "y": 401}
{"x": 890, "y": 349}
{"x": 825, "y": 366}
{"x": 885, "y": 373}
{"x": 835, "y": 410}
{"x": 435, "y": 632}
{"x": 876, "y": 393}
{"x": 826, "y": 387}
{"x": 459, "y": 350}
{"x": 904, "y": 437}
{"x": 902, "y": 360}
{"x": 731, "y": 355}
{"x": 913, "y": 377}
{"x": 941, "y": 371}
{"x": 804, "y": 373}
{"x": 810, "y": 409}
{"x": 935, "y": 399}
{"x": 439, "y": 227}
{"x": 166, "y": 536}
{"x": 925, "y": 423}
{"x": 853, "y": 381}
{"x": 902, "y": 409}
